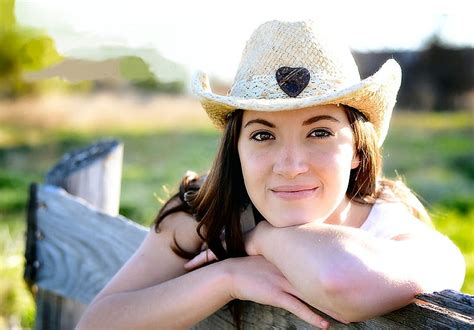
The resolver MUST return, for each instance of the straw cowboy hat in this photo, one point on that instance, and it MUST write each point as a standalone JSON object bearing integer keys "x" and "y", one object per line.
{"x": 294, "y": 65}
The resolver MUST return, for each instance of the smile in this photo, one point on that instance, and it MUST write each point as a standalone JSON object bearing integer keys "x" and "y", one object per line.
{"x": 294, "y": 192}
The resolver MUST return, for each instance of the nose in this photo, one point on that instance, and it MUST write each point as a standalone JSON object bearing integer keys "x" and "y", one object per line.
{"x": 290, "y": 162}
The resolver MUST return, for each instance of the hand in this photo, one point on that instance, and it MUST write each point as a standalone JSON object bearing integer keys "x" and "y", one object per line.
{"x": 256, "y": 279}
{"x": 206, "y": 256}
{"x": 203, "y": 258}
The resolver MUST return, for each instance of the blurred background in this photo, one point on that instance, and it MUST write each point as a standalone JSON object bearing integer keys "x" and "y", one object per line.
{"x": 72, "y": 72}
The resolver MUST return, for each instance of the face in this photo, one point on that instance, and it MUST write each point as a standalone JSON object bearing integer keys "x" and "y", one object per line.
{"x": 296, "y": 163}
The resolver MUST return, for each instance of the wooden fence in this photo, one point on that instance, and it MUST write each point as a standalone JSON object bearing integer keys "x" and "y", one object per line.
{"x": 76, "y": 241}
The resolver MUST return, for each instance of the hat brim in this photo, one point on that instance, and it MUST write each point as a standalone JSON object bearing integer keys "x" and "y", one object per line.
{"x": 374, "y": 96}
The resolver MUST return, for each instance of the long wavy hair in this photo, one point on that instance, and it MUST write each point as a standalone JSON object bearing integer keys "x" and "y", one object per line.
{"x": 217, "y": 200}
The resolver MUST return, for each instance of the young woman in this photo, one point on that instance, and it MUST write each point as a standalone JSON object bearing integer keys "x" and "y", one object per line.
{"x": 293, "y": 210}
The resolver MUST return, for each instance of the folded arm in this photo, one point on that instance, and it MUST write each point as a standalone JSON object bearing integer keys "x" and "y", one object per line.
{"x": 153, "y": 290}
{"x": 353, "y": 276}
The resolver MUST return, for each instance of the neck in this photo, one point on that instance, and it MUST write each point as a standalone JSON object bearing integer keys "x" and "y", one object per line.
{"x": 349, "y": 214}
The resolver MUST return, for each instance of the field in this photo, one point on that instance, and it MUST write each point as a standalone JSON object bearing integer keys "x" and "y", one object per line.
{"x": 163, "y": 137}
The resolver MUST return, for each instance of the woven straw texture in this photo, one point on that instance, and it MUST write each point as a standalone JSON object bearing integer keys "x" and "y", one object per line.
{"x": 334, "y": 76}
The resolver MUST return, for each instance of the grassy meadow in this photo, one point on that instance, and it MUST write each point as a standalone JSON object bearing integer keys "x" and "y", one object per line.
{"x": 163, "y": 137}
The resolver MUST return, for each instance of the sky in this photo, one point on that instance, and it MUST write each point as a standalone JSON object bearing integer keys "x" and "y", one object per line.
{"x": 209, "y": 35}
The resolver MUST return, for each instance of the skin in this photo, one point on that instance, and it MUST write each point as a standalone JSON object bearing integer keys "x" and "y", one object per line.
{"x": 296, "y": 164}
{"x": 153, "y": 290}
{"x": 297, "y": 180}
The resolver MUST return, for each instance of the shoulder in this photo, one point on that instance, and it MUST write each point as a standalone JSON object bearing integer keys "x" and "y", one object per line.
{"x": 179, "y": 227}
{"x": 439, "y": 261}
{"x": 389, "y": 219}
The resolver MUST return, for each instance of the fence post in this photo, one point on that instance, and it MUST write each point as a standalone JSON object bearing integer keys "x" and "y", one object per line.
{"x": 94, "y": 174}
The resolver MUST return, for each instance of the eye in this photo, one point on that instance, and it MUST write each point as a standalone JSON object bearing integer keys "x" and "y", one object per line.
{"x": 262, "y": 136}
{"x": 320, "y": 133}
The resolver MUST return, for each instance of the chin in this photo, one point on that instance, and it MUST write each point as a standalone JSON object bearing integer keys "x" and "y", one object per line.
{"x": 290, "y": 220}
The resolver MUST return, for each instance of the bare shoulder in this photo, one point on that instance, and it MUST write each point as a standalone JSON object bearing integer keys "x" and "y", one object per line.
{"x": 154, "y": 261}
{"x": 441, "y": 259}
{"x": 182, "y": 227}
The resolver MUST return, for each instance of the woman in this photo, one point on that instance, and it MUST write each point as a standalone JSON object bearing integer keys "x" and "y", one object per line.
{"x": 293, "y": 207}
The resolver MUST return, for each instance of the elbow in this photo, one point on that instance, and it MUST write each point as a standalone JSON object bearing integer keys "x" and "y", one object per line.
{"x": 96, "y": 315}
{"x": 83, "y": 324}
{"x": 89, "y": 320}
{"x": 340, "y": 294}
{"x": 342, "y": 300}
{"x": 369, "y": 305}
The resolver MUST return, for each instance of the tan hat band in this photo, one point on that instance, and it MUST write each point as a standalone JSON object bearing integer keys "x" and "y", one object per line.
{"x": 266, "y": 87}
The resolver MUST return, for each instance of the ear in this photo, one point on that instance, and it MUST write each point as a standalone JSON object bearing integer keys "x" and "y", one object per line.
{"x": 355, "y": 161}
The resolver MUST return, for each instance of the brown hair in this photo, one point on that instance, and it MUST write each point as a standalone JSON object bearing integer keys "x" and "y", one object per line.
{"x": 365, "y": 182}
{"x": 218, "y": 200}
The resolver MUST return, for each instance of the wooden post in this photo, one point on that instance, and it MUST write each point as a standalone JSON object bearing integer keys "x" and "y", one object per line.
{"x": 94, "y": 174}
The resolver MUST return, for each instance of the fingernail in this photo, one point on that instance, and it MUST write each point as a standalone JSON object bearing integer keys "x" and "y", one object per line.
{"x": 324, "y": 324}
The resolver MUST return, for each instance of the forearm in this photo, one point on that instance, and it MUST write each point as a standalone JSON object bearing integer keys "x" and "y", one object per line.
{"x": 337, "y": 269}
{"x": 175, "y": 304}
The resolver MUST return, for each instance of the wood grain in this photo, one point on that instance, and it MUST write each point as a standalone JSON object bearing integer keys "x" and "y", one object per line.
{"x": 82, "y": 247}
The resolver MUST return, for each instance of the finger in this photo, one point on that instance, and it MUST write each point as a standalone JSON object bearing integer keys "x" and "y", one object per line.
{"x": 197, "y": 261}
{"x": 288, "y": 287}
{"x": 302, "y": 311}
{"x": 202, "y": 258}
{"x": 291, "y": 290}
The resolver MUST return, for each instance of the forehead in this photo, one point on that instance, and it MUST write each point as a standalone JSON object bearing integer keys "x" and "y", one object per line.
{"x": 298, "y": 115}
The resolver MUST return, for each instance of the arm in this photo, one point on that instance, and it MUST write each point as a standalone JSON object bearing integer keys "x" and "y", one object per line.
{"x": 353, "y": 276}
{"x": 154, "y": 291}
{"x": 143, "y": 294}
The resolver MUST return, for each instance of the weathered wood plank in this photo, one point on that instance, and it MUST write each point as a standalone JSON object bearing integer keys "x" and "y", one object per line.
{"x": 30, "y": 248}
{"x": 93, "y": 173}
{"x": 455, "y": 301}
{"x": 57, "y": 312}
{"x": 419, "y": 315}
{"x": 80, "y": 248}
{"x": 428, "y": 316}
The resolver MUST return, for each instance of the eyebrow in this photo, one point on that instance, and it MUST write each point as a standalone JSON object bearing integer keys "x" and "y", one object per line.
{"x": 259, "y": 121}
{"x": 318, "y": 118}
{"x": 305, "y": 123}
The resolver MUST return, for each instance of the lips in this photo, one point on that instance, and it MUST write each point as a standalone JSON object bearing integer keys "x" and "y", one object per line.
{"x": 294, "y": 192}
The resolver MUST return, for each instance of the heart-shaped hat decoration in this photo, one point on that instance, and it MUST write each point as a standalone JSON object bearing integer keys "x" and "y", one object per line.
{"x": 292, "y": 80}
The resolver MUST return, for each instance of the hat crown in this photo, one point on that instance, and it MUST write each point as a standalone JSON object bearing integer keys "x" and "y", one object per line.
{"x": 277, "y": 44}
{"x": 289, "y": 66}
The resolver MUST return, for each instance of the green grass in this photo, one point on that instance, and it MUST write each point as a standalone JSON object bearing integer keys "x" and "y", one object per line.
{"x": 16, "y": 302}
{"x": 457, "y": 225}
{"x": 434, "y": 153}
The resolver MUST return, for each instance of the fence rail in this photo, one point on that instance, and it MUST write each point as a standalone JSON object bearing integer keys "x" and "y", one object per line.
{"x": 76, "y": 242}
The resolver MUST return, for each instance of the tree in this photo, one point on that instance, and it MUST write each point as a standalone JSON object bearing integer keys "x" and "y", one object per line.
{"x": 22, "y": 49}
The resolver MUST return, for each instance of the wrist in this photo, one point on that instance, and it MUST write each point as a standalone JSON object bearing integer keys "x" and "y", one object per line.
{"x": 228, "y": 277}
{"x": 264, "y": 240}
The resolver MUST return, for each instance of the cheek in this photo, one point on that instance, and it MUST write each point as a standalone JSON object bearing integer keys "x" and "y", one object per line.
{"x": 334, "y": 168}
{"x": 332, "y": 157}
{"x": 255, "y": 168}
